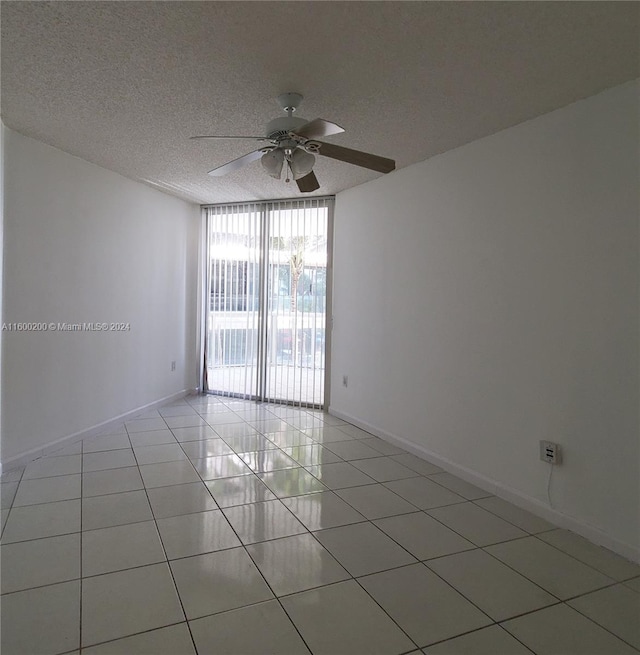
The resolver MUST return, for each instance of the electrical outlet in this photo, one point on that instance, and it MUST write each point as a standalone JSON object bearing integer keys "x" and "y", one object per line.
{"x": 345, "y": 380}
{"x": 173, "y": 365}
{"x": 550, "y": 452}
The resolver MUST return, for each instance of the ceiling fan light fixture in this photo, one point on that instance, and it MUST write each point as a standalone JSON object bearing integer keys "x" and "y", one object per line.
{"x": 301, "y": 163}
{"x": 292, "y": 143}
{"x": 272, "y": 162}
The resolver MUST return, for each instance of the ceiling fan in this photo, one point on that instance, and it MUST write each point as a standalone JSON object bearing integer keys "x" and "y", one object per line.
{"x": 292, "y": 145}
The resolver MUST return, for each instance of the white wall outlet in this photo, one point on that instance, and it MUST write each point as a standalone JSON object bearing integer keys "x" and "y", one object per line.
{"x": 173, "y": 365}
{"x": 550, "y": 452}
{"x": 345, "y": 380}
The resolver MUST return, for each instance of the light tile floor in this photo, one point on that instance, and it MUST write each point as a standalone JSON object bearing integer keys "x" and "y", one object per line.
{"x": 215, "y": 525}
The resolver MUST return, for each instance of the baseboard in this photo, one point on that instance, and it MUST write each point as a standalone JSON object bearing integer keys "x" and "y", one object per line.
{"x": 514, "y": 496}
{"x": 35, "y": 453}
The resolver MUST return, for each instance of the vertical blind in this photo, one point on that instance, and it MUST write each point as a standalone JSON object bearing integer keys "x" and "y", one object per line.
{"x": 268, "y": 283}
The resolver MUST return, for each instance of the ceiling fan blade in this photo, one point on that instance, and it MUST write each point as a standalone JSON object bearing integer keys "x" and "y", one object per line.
{"x": 319, "y": 127}
{"x": 364, "y": 159}
{"x": 308, "y": 183}
{"x": 260, "y": 138}
{"x": 236, "y": 164}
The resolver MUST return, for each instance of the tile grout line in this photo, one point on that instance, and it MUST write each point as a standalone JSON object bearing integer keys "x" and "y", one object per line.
{"x": 164, "y": 550}
{"x": 255, "y": 566}
{"x": 425, "y": 511}
{"x": 606, "y": 586}
{"x": 614, "y": 583}
{"x": 302, "y": 591}
{"x": 6, "y": 521}
{"x": 575, "y": 609}
{"x": 134, "y": 634}
{"x": 475, "y": 502}
{"x": 312, "y": 533}
{"x": 528, "y": 535}
{"x": 577, "y": 559}
{"x": 484, "y": 627}
{"x": 248, "y": 555}
{"x": 355, "y": 579}
{"x": 275, "y": 597}
{"x": 81, "y": 581}
{"x": 525, "y": 536}
{"x": 413, "y": 564}
{"x": 560, "y": 601}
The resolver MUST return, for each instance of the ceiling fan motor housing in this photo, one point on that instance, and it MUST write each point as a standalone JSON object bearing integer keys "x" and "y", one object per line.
{"x": 279, "y": 127}
{"x": 289, "y": 101}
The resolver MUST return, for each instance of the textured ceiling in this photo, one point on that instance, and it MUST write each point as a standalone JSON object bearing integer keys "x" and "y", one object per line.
{"x": 124, "y": 84}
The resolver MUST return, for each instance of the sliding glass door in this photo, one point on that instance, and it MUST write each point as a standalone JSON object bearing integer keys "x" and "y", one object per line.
{"x": 268, "y": 278}
{"x": 234, "y": 285}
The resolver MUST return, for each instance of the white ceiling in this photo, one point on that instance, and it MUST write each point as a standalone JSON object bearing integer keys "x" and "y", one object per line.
{"x": 124, "y": 84}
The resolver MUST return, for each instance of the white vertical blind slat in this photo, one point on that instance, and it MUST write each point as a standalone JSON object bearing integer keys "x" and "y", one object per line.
{"x": 291, "y": 351}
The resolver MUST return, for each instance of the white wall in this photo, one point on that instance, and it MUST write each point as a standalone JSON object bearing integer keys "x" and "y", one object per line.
{"x": 2, "y": 142}
{"x": 488, "y": 298}
{"x": 83, "y": 244}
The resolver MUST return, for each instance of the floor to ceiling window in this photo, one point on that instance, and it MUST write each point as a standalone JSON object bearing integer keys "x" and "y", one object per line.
{"x": 268, "y": 278}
